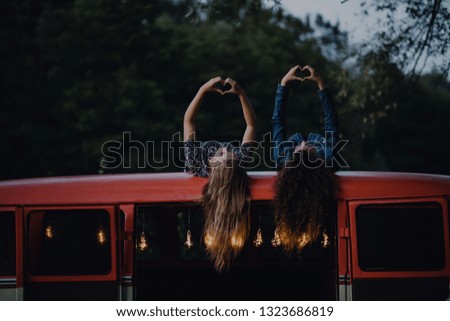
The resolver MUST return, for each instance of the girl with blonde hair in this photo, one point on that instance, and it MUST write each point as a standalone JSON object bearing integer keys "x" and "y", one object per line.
{"x": 226, "y": 196}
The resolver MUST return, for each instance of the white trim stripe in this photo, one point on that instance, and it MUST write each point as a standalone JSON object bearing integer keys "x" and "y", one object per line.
{"x": 8, "y": 282}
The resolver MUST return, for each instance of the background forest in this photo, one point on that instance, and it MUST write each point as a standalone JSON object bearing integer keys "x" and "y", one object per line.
{"x": 75, "y": 74}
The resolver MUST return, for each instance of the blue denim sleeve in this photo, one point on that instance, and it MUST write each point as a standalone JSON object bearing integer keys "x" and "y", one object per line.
{"x": 279, "y": 120}
{"x": 331, "y": 121}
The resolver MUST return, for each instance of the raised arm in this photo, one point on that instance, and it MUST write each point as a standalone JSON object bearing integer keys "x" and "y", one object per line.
{"x": 278, "y": 117}
{"x": 194, "y": 107}
{"x": 247, "y": 109}
{"x": 331, "y": 122}
{"x": 279, "y": 111}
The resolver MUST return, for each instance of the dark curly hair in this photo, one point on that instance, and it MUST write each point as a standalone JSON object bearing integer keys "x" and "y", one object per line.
{"x": 302, "y": 196}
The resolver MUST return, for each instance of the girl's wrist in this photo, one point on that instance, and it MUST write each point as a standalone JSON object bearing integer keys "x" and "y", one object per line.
{"x": 320, "y": 84}
{"x": 242, "y": 94}
{"x": 203, "y": 90}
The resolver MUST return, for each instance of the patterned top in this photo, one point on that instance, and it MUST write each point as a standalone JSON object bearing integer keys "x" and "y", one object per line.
{"x": 197, "y": 155}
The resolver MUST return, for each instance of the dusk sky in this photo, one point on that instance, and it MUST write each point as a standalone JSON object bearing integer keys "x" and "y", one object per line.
{"x": 332, "y": 10}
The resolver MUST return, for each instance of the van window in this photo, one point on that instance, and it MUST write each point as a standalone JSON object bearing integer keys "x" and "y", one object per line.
{"x": 190, "y": 219}
{"x": 393, "y": 237}
{"x": 179, "y": 271}
{"x": 264, "y": 219}
{"x": 7, "y": 244}
{"x": 69, "y": 242}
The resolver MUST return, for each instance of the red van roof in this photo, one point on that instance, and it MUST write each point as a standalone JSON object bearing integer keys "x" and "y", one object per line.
{"x": 182, "y": 187}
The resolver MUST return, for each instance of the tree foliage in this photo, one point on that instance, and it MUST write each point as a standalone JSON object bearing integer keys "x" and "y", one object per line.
{"x": 79, "y": 73}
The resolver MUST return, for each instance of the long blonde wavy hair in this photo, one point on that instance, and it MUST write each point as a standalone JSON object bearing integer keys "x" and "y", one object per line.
{"x": 226, "y": 204}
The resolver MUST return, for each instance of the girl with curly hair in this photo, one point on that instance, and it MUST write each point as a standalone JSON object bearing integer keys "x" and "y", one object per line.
{"x": 306, "y": 183}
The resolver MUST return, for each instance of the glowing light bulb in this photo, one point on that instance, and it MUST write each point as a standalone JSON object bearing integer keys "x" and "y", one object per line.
{"x": 276, "y": 241}
{"x": 143, "y": 243}
{"x": 49, "y": 232}
{"x": 237, "y": 241}
{"x": 258, "y": 241}
{"x": 189, "y": 242}
{"x": 101, "y": 236}
{"x": 326, "y": 240}
{"x": 303, "y": 240}
{"x": 209, "y": 240}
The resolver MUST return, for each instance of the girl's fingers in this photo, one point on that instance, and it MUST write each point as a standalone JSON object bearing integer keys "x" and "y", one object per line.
{"x": 210, "y": 85}
{"x": 230, "y": 81}
{"x": 294, "y": 70}
{"x": 310, "y": 69}
{"x": 216, "y": 80}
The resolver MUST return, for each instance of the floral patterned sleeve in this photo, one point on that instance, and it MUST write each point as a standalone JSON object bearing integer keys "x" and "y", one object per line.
{"x": 193, "y": 159}
{"x": 245, "y": 154}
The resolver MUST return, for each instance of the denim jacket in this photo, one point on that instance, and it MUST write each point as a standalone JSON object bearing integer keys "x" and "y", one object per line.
{"x": 324, "y": 145}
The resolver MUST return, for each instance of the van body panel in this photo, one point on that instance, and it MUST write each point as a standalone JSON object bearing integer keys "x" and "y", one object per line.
{"x": 182, "y": 187}
{"x": 121, "y": 195}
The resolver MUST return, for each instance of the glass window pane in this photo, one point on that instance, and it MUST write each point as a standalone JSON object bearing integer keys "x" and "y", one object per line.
{"x": 69, "y": 242}
{"x": 172, "y": 271}
{"x": 7, "y": 244}
{"x": 264, "y": 214}
{"x": 400, "y": 237}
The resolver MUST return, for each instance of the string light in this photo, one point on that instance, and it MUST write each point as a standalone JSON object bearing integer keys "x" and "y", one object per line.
{"x": 258, "y": 241}
{"x": 276, "y": 240}
{"x": 143, "y": 243}
{"x": 101, "y": 236}
{"x": 49, "y": 232}
{"x": 189, "y": 242}
{"x": 303, "y": 240}
{"x": 237, "y": 241}
{"x": 326, "y": 240}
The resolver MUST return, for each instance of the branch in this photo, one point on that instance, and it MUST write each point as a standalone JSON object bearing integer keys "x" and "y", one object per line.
{"x": 429, "y": 35}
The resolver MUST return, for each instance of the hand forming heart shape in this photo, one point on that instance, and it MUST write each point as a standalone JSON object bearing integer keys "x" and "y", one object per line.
{"x": 223, "y": 87}
{"x": 227, "y": 86}
{"x": 303, "y": 73}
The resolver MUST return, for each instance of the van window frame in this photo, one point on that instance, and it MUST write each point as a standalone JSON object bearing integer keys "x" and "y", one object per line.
{"x": 111, "y": 275}
{"x": 6, "y": 273}
{"x": 358, "y": 272}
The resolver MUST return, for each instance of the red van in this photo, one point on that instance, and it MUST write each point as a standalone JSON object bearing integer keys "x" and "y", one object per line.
{"x": 125, "y": 237}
